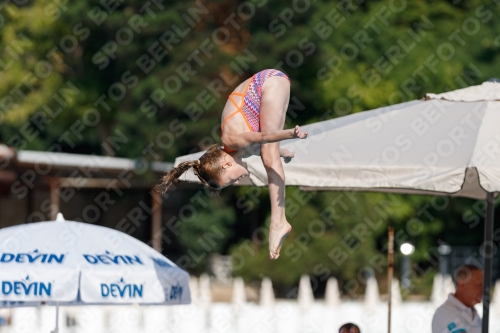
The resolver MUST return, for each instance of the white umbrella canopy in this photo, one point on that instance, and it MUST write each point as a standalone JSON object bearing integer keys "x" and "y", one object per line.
{"x": 72, "y": 263}
{"x": 438, "y": 145}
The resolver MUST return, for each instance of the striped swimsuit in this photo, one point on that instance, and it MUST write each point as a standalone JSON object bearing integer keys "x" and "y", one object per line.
{"x": 250, "y": 99}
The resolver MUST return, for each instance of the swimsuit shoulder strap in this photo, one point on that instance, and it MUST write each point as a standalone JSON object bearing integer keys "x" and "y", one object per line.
{"x": 232, "y": 99}
{"x": 238, "y": 108}
{"x": 227, "y": 118}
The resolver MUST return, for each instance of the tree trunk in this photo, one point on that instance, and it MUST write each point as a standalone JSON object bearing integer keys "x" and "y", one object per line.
{"x": 104, "y": 134}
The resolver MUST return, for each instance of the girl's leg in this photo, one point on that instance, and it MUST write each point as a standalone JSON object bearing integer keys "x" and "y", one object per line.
{"x": 273, "y": 106}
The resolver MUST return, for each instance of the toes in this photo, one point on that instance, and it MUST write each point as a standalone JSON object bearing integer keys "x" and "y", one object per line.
{"x": 274, "y": 255}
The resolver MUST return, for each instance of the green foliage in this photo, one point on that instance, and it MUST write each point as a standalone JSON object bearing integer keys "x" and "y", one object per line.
{"x": 333, "y": 234}
{"x": 206, "y": 228}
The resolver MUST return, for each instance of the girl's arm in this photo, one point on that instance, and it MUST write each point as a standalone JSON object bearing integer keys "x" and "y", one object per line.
{"x": 247, "y": 139}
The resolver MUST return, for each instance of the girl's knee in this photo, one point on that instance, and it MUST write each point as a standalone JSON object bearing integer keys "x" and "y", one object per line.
{"x": 270, "y": 159}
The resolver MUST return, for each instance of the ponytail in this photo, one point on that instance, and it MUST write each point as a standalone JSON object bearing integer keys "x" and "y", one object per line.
{"x": 175, "y": 173}
{"x": 207, "y": 169}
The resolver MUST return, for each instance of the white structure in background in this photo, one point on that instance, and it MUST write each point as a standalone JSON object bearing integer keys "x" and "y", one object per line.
{"x": 495, "y": 300}
{"x": 267, "y": 298}
{"x": 155, "y": 318}
{"x": 372, "y": 296}
{"x": 239, "y": 297}
{"x": 205, "y": 291}
{"x": 437, "y": 290}
{"x": 125, "y": 319}
{"x": 441, "y": 288}
{"x": 305, "y": 297}
{"x": 332, "y": 294}
{"x": 195, "y": 292}
{"x": 330, "y": 315}
{"x": 449, "y": 286}
{"x": 263, "y": 317}
{"x": 93, "y": 319}
{"x": 396, "y": 297}
{"x": 222, "y": 268}
{"x": 286, "y": 316}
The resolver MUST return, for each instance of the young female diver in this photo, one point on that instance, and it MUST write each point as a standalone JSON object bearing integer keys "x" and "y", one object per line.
{"x": 256, "y": 119}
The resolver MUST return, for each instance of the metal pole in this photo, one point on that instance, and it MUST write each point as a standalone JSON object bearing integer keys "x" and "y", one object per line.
{"x": 405, "y": 272}
{"x": 487, "y": 257}
{"x": 156, "y": 233}
{"x": 56, "y": 330}
{"x": 390, "y": 269}
{"x": 54, "y": 197}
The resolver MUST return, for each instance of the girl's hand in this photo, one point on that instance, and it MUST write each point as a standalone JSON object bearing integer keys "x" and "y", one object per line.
{"x": 298, "y": 134}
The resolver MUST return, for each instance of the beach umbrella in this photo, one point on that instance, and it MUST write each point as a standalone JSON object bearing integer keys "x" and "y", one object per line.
{"x": 444, "y": 144}
{"x": 72, "y": 263}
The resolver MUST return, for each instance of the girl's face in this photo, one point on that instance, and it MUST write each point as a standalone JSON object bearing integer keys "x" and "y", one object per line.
{"x": 233, "y": 171}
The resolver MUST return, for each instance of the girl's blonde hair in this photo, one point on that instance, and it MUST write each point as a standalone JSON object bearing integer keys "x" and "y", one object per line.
{"x": 207, "y": 168}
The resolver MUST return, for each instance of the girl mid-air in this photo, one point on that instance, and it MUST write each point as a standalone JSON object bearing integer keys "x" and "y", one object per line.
{"x": 253, "y": 116}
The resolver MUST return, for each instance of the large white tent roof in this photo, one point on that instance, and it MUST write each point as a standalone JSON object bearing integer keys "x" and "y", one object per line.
{"x": 444, "y": 144}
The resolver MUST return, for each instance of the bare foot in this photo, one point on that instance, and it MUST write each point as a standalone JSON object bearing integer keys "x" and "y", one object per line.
{"x": 277, "y": 234}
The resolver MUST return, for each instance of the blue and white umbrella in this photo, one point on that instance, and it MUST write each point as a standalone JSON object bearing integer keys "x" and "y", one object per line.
{"x": 72, "y": 263}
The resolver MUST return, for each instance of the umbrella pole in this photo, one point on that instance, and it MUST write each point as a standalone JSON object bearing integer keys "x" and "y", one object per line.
{"x": 56, "y": 330}
{"x": 488, "y": 243}
{"x": 389, "y": 276}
